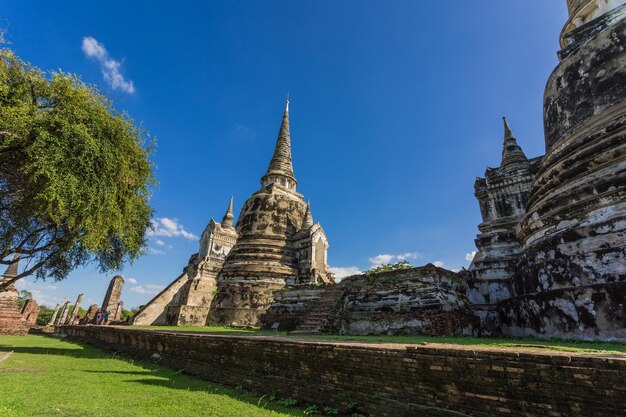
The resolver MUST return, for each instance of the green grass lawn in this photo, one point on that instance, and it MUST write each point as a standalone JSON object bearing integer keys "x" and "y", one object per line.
{"x": 53, "y": 377}
{"x": 496, "y": 342}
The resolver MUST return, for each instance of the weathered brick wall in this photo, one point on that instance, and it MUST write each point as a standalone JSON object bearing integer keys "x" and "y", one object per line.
{"x": 392, "y": 380}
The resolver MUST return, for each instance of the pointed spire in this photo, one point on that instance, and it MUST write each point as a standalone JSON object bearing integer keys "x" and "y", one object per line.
{"x": 507, "y": 129}
{"x": 11, "y": 271}
{"x": 307, "y": 221}
{"x": 227, "y": 221}
{"x": 511, "y": 152}
{"x": 281, "y": 164}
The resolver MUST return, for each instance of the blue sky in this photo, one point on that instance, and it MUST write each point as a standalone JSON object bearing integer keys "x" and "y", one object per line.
{"x": 395, "y": 108}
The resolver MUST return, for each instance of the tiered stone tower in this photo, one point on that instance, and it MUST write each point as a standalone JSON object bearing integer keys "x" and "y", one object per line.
{"x": 502, "y": 195}
{"x": 197, "y": 293}
{"x": 572, "y": 275}
{"x": 232, "y": 278}
{"x": 278, "y": 244}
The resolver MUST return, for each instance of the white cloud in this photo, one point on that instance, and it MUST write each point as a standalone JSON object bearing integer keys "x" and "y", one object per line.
{"x": 470, "y": 256}
{"x": 408, "y": 255}
{"x": 386, "y": 258}
{"x": 41, "y": 292}
{"x": 439, "y": 264}
{"x": 156, "y": 251}
{"x": 148, "y": 289}
{"x": 156, "y": 287}
{"x": 342, "y": 272}
{"x": 166, "y": 227}
{"x": 159, "y": 242}
{"x": 132, "y": 281}
{"x": 109, "y": 66}
{"x": 381, "y": 259}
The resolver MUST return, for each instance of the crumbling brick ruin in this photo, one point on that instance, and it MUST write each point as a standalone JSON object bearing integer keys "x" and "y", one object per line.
{"x": 30, "y": 312}
{"x": 416, "y": 301}
{"x": 90, "y": 317}
{"x": 552, "y": 248}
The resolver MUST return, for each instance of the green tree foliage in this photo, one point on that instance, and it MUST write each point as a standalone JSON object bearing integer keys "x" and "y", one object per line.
{"x": 389, "y": 267}
{"x": 126, "y": 314}
{"x": 75, "y": 175}
{"x": 81, "y": 311}
{"x": 23, "y": 296}
{"x": 45, "y": 314}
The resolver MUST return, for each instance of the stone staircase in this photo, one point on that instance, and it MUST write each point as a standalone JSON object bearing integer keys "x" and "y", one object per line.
{"x": 318, "y": 316}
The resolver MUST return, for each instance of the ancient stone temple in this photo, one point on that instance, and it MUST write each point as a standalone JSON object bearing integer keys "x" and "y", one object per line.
{"x": 11, "y": 320}
{"x": 567, "y": 261}
{"x": 232, "y": 278}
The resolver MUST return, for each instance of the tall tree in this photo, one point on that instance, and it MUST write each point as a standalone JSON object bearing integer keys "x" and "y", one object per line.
{"x": 75, "y": 175}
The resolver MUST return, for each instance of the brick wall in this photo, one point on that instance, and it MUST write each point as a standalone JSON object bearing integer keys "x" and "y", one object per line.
{"x": 392, "y": 380}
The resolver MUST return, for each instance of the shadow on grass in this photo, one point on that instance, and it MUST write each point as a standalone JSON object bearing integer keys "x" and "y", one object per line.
{"x": 79, "y": 353}
{"x": 144, "y": 373}
{"x": 191, "y": 384}
{"x": 153, "y": 374}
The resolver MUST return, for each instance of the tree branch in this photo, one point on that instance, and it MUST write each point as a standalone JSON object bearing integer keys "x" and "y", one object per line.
{"x": 6, "y": 283}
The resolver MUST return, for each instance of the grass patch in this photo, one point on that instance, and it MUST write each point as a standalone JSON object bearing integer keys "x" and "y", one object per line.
{"x": 52, "y": 377}
{"x": 574, "y": 346}
{"x": 207, "y": 329}
{"x": 495, "y": 342}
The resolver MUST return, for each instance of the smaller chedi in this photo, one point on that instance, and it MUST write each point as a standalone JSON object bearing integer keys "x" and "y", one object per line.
{"x": 232, "y": 278}
{"x": 11, "y": 320}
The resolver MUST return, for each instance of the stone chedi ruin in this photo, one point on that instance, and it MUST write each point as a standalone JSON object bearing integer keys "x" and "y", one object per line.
{"x": 552, "y": 247}
{"x": 11, "y": 320}
{"x": 502, "y": 196}
{"x": 232, "y": 278}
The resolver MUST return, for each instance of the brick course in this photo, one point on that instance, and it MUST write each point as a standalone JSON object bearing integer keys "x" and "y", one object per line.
{"x": 399, "y": 380}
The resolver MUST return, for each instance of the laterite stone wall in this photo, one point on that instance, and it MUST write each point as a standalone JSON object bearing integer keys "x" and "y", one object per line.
{"x": 384, "y": 379}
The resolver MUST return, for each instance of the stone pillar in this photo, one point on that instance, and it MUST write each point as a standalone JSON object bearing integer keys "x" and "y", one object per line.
{"x": 54, "y": 315}
{"x": 118, "y": 311}
{"x": 70, "y": 319}
{"x": 63, "y": 315}
{"x": 91, "y": 314}
{"x": 112, "y": 296}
